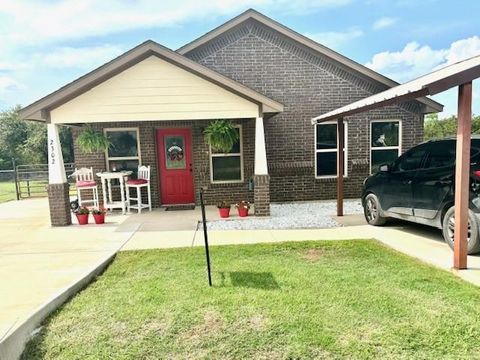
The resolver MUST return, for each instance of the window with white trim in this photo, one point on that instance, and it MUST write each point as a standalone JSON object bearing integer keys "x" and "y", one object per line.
{"x": 227, "y": 167}
{"x": 326, "y": 149}
{"x": 385, "y": 142}
{"x": 124, "y": 152}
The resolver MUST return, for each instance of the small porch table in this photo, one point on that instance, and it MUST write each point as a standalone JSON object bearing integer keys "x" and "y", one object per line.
{"x": 106, "y": 178}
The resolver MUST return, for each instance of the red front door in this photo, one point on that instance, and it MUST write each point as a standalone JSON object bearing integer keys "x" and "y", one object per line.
{"x": 175, "y": 163}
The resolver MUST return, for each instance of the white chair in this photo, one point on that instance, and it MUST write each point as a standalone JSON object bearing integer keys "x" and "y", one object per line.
{"x": 84, "y": 180}
{"x": 142, "y": 180}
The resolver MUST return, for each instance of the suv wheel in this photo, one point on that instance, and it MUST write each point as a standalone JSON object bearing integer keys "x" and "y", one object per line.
{"x": 371, "y": 210}
{"x": 448, "y": 227}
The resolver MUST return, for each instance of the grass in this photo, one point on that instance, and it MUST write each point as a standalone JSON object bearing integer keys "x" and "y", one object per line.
{"x": 7, "y": 191}
{"x": 37, "y": 188}
{"x": 332, "y": 300}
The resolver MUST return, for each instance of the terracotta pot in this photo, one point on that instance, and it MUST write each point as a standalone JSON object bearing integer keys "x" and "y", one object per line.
{"x": 224, "y": 212}
{"x": 99, "y": 218}
{"x": 82, "y": 219}
{"x": 242, "y": 212}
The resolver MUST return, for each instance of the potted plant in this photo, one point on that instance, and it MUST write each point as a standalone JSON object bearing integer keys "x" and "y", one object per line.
{"x": 99, "y": 215}
{"x": 91, "y": 140}
{"x": 242, "y": 207}
{"x": 221, "y": 135}
{"x": 82, "y": 215}
{"x": 224, "y": 209}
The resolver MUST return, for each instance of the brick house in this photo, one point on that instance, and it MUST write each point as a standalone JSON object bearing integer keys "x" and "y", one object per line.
{"x": 269, "y": 80}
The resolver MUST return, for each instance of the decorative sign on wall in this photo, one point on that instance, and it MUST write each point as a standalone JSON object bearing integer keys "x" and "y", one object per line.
{"x": 175, "y": 152}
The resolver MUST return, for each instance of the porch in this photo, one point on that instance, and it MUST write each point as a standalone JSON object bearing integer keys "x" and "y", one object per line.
{"x": 146, "y": 98}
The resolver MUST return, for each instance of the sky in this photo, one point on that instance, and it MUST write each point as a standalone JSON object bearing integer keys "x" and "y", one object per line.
{"x": 46, "y": 44}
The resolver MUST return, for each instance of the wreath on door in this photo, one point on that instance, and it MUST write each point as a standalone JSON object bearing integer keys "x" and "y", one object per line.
{"x": 175, "y": 153}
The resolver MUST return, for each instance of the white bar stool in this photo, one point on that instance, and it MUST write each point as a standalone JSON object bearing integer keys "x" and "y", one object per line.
{"x": 142, "y": 180}
{"x": 84, "y": 180}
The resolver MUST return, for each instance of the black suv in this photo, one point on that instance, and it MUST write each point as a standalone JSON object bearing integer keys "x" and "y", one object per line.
{"x": 419, "y": 187}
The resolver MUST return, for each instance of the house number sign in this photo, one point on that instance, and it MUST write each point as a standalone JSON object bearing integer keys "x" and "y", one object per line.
{"x": 52, "y": 151}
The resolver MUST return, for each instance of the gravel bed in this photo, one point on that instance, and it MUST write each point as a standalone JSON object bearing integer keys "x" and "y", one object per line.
{"x": 291, "y": 216}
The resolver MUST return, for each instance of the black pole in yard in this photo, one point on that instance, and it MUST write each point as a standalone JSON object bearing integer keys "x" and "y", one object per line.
{"x": 205, "y": 236}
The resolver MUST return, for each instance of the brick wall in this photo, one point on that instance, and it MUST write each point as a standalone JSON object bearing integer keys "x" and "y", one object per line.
{"x": 59, "y": 204}
{"x": 308, "y": 84}
{"x": 201, "y": 160}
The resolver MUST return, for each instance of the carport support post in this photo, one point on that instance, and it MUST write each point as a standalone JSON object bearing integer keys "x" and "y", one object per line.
{"x": 462, "y": 175}
{"x": 340, "y": 165}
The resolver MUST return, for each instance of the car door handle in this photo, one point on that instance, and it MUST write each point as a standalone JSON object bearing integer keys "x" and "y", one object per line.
{"x": 407, "y": 182}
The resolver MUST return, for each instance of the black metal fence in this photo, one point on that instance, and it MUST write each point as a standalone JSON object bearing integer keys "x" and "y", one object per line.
{"x": 26, "y": 181}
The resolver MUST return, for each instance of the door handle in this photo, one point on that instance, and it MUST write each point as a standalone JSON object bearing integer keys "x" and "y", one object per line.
{"x": 407, "y": 182}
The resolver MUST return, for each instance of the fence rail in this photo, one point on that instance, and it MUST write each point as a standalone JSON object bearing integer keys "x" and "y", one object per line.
{"x": 26, "y": 181}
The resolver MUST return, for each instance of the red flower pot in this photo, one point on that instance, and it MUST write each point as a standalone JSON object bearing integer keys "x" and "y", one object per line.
{"x": 242, "y": 212}
{"x": 224, "y": 212}
{"x": 82, "y": 219}
{"x": 99, "y": 218}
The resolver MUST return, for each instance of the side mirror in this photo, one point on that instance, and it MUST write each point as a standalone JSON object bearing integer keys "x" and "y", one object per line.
{"x": 384, "y": 168}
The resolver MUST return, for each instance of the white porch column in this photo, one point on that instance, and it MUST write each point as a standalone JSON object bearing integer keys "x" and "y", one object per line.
{"x": 261, "y": 167}
{"x": 56, "y": 167}
{"x": 58, "y": 188}
{"x": 261, "y": 179}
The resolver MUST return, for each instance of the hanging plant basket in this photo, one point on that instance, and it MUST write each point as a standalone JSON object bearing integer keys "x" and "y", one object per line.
{"x": 91, "y": 141}
{"x": 221, "y": 135}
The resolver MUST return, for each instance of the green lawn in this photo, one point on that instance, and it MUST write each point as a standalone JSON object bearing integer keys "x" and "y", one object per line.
{"x": 7, "y": 191}
{"x": 37, "y": 189}
{"x": 332, "y": 300}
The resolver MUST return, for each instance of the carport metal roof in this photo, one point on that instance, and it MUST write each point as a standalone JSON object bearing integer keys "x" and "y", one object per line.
{"x": 430, "y": 84}
{"x": 460, "y": 74}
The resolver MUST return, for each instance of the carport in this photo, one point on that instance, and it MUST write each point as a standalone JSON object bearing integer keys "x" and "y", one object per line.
{"x": 460, "y": 74}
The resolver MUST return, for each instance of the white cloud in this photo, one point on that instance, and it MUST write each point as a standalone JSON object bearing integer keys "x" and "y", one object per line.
{"x": 384, "y": 22}
{"x": 335, "y": 39}
{"x": 410, "y": 62}
{"x": 415, "y": 60}
{"x": 82, "y": 57}
{"x": 7, "y": 83}
{"x": 33, "y": 21}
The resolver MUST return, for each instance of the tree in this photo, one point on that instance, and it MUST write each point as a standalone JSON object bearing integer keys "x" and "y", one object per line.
{"x": 436, "y": 128}
{"x": 26, "y": 141}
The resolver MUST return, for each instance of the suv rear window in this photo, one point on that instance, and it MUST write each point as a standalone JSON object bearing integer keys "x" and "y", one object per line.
{"x": 440, "y": 154}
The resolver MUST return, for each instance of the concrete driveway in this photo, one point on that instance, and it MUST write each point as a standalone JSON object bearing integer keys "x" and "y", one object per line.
{"x": 42, "y": 266}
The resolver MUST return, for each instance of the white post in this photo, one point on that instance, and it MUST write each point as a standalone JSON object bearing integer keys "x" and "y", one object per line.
{"x": 56, "y": 167}
{"x": 261, "y": 167}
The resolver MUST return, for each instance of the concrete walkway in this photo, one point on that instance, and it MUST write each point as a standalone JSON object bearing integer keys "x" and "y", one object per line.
{"x": 42, "y": 266}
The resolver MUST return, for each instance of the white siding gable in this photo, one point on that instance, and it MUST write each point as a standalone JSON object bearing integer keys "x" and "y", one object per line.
{"x": 154, "y": 89}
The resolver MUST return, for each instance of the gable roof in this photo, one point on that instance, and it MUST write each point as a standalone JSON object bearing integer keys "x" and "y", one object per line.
{"x": 40, "y": 108}
{"x": 431, "y": 105}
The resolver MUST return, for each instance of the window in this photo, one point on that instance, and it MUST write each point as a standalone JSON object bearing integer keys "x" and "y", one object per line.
{"x": 411, "y": 160}
{"x": 385, "y": 143}
{"x": 227, "y": 167}
{"x": 124, "y": 153}
{"x": 441, "y": 154}
{"x": 326, "y": 150}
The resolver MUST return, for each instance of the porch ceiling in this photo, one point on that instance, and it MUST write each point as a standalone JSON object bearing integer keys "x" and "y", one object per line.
{"x": 150, "y": 82}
